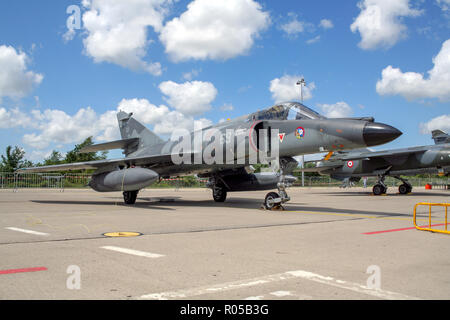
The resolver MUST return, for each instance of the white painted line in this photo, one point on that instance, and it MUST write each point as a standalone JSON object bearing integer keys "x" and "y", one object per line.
{"x": 281, "y": 293}
{"x": 379, "y": 293}
{"x": 383, "y": 294}
{"x": 255, "y": 298}
{"x": 133, "y": 252}
{"x": 28, "y": 231}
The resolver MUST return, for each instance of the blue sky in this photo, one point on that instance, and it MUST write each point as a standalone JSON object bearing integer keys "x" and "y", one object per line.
{"x": 174, "y": 61}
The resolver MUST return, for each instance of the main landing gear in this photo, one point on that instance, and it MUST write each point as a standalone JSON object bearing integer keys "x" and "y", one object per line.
{"x": 219, "y": 193}
{"x": 129, "y": 197}
{"x": 404, "y": 188}
{"x": 381, "y": 188}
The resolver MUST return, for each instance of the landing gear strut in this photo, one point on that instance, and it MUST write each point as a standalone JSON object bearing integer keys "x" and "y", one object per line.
{"x": 129, "y": 197}
{"x": 273, "y": 200}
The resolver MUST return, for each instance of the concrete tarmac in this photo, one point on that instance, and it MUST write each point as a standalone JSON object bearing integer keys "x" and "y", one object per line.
{"x": 329, "y": 243}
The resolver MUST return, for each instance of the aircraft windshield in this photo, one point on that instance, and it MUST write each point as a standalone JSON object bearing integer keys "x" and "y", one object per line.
{"x": 287, "y": 111}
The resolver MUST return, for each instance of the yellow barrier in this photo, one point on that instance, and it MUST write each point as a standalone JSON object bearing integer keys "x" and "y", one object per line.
{"x": 430, "y": 205}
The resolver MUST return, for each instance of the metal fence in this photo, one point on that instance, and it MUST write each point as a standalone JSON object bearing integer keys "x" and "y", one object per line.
{"x": 81, "y": 180}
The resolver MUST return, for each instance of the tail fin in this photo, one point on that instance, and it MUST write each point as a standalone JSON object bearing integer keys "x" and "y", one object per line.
{"x": 440, "y": 137}
{"x": 131, "y": 128}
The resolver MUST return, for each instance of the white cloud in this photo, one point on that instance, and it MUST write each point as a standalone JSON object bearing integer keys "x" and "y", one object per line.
{"x": 313, "y": 40}
{"x": 412, "y": 85}
{"x": 143, "y": 110}
{"x": 191, "y": 74}
{"x": 286, "y": 88}
{"x": 438, "y": 123}
{"x": 56, "y": 126}
{"x": 337, "y": 110}
{"x": 189, "y": 98}
{"x": 326, "y": 24}
{"x": 444, "y": 5}
{"x": 15, "y": 80}
{"x": 379, "y": 22}
{"x": 175, "y": 120}
{"x": 14, "y": 118}
{"x": 217, "y": 30}
{"x": 227, "y": 107}
{"x": 117, "y": 31}
{"x": 295, "y": 26}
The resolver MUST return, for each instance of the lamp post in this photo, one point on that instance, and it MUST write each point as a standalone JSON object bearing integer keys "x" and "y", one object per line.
{"x": 302, "y": 83}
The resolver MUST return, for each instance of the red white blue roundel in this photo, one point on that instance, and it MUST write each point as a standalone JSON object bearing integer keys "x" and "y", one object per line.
{"x": 300, "y": 132}
{"x": 350, "y": 164}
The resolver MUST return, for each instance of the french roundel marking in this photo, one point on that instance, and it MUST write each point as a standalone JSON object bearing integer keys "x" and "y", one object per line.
{"x": 350, "y": 164}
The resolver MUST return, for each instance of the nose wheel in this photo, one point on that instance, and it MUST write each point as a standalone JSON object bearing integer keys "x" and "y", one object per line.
{"x": 273, "y": 200}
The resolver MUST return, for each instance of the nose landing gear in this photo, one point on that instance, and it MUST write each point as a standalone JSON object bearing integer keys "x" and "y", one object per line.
{"x": 273, "y": 200}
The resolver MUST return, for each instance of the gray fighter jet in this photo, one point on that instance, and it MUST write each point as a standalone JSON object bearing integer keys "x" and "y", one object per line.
{"x": 350, "y": 166}
{"x": 290, "y": 128}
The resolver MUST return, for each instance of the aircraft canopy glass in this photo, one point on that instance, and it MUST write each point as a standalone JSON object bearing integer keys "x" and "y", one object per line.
{"x": 287, "y": 111}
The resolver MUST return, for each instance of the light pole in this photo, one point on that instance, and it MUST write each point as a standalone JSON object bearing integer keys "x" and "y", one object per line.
{"x": 302, "y": 83}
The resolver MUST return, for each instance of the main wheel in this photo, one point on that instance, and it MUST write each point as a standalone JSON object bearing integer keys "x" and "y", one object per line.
{"x": 378, "y": 189}
{"x": 269, "y": 200}
{"x": 404, "y": 189}
{"x": 219, "y": 194}
{"x": 129, "y": 197}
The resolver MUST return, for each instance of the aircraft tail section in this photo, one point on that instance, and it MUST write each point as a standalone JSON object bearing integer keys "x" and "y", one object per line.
{"x": 440, "y": 137}
{"x": 131, "y": 128}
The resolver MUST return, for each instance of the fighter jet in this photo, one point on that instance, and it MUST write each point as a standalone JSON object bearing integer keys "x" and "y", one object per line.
{"x": 277, "y": 133}
{"x": 350, "y": 166}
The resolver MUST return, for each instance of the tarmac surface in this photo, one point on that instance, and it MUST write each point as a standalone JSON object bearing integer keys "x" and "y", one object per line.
{"x": 329, "y": 243}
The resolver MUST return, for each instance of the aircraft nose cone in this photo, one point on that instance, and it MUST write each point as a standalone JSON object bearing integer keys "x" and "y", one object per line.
{"x": 378, "y": 133}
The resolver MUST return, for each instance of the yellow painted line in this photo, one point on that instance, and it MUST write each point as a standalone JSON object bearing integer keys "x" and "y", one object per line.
{"x": 122, "y": 234}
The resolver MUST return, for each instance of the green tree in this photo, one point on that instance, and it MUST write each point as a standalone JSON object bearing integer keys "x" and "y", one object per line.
{"x": 75, "y": 156}
{"x": 14, "y": 159}
{"x": 54, "y": 158}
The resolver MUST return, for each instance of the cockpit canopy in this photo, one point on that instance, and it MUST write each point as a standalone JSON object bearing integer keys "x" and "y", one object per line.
{"x": 286, "y": 111}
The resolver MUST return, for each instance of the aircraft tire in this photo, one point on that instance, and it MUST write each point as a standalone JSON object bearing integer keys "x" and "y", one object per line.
{"x": 219, "y": 194}
{"x": 270, "y": 196}
{"x": 404, "y": 189}
{"x": 129, "y": 197}
{"x": 378, "y": 189}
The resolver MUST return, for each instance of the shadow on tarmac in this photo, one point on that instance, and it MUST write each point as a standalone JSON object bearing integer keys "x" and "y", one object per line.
{"x": 174, "y": 203}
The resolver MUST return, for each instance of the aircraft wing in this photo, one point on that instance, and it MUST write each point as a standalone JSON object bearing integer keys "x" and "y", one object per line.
{"x": 383, "y": 154}
{"x": 137, "y": 161}
{"x": 321, "y": 168}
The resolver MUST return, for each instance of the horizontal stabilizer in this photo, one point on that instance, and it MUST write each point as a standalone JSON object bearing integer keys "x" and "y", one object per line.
{"x": 118, "y": 144}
